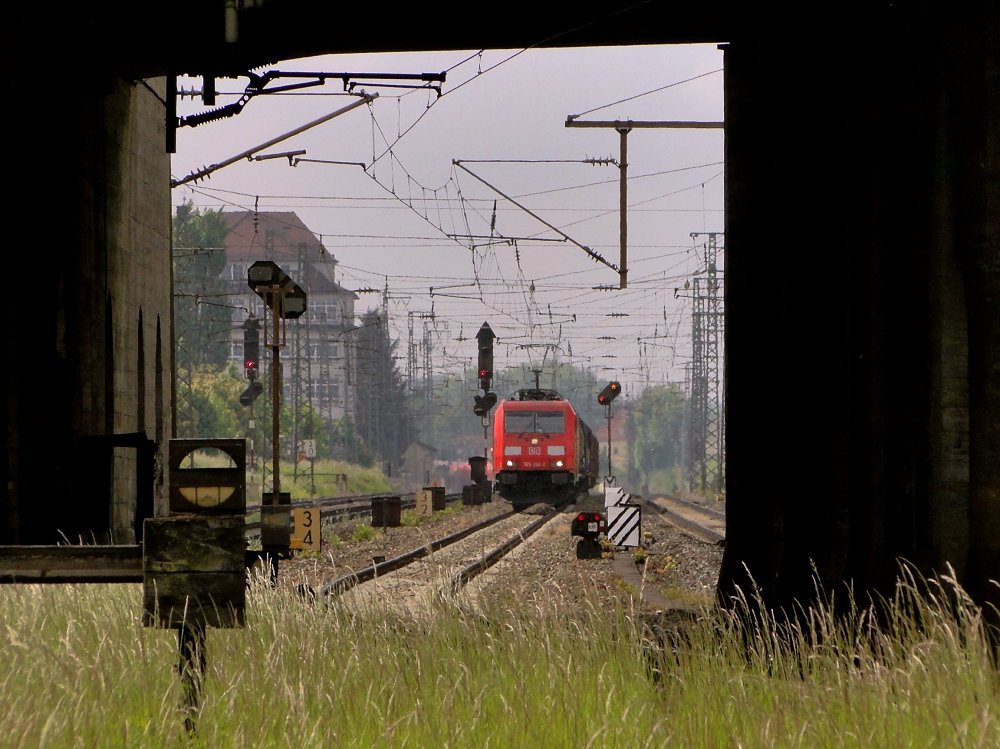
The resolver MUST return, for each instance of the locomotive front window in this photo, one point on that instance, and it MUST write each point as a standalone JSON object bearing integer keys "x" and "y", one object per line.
{"x": 544, "y": 422}
{"x": 551, "y": 422}
{"x": 516, "y": 422}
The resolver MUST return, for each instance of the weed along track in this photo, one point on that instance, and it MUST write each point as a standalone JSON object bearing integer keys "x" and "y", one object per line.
{"x": 413, "y": 583}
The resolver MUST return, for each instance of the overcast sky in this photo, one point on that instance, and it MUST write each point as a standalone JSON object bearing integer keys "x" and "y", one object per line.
{"x": 399, "y": 212}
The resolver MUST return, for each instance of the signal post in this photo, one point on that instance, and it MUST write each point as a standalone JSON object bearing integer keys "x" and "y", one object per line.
{"x": 284, "y": 300}
{"x": 484, "y": 403}
{"x": 605, "y": 397}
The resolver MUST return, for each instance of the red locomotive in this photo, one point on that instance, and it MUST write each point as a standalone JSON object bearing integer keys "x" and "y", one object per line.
{"x": 542, "y": 450}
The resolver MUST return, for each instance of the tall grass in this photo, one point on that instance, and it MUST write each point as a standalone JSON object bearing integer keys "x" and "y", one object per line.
{"x": 81, "y": 670}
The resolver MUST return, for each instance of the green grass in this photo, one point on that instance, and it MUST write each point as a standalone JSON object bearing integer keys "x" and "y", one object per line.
{"x": 360, "y": 480}
{"x": 364, "y": 532}
{"x": 81, "y": 670}
{"x": 321, "y": 479}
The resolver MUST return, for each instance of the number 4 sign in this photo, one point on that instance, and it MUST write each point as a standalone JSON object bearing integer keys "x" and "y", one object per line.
{"x": 305, "y": 528}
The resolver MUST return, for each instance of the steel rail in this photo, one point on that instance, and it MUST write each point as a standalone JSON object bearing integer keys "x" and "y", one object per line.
{"x": 346, "y": 582}
{"x": 463, "y": 577}
{"x": 123, "y": 563}
{"x": 690, "y": 527}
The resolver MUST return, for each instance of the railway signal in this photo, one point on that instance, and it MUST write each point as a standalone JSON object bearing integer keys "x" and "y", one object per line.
{"x": 485, "y": 338}
{"x": 251, "y": 394}
{"x": 280, "y": 293}
{"x": 609, "y": 393}
{"x": 484, "y": 403}
{"x": 589, "y": 525}
{"x": 251, "y": 347}
{"x": 605, "y": 397}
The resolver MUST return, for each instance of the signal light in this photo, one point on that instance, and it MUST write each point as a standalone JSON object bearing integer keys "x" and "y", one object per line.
{"x": 609, "y": 393}
{"x": 251, "y": 347}
{"x": 589, "y": 525}
{"x": 485, "y": 338}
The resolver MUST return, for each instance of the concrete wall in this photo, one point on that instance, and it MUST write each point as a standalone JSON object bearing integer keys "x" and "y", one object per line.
{"x": 89, "y": 318}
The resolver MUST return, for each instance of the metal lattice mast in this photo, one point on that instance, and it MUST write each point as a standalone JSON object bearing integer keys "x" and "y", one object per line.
{"x": 687, "y": 433}
{"x": 715, "y": 432}
{"x": 323, "y": 355}
{"x": 411, "y": 355}
{"x": 427, "y": 360}
{"x": 699, "y": 394}
{"x": 301, "y": 374}
{"x": 184, "y": 403}
{"x": 709, "y": 360}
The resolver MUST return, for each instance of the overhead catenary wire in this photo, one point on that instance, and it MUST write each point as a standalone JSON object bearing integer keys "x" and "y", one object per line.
{"x": 437, "y": 205}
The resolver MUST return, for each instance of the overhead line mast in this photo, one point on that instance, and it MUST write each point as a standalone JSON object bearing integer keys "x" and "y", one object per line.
{"x": 624, "y": 127}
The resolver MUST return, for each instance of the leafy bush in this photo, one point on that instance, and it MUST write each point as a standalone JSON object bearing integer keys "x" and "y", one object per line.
{"x": 363, "y": 533}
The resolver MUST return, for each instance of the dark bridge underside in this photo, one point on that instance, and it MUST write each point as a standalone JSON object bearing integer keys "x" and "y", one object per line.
{"x": 190, "y": 35}
{"x": 862, "y": 259}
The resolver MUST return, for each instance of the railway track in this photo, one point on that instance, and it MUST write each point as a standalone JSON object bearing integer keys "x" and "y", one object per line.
{"x": 123, "y": 563}
{"x": 412, "y": 583}
{"x": 695, "y": 518}
{"x": 335, "y": 509}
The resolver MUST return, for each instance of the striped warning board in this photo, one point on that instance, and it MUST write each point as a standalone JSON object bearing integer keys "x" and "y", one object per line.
{"x": 615, "y": 495}
{"x": 624, "y": 524}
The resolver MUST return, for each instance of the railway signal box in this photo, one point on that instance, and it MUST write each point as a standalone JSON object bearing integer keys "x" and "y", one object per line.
{"x": 251, "y": 347}
{"x": 276, "y": 523}
{"x": 194, "y": 566}
{"x": 484, "y": 338}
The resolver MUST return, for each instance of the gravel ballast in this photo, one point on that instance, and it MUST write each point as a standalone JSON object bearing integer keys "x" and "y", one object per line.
{"x": 668, "y": 570}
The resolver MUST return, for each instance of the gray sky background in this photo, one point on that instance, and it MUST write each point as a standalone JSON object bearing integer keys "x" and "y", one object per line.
{"x": 502, "y": 114}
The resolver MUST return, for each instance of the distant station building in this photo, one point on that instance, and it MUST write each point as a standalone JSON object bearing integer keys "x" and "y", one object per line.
{"x": 418, "y": 467}
{"x": 318, "y": 365}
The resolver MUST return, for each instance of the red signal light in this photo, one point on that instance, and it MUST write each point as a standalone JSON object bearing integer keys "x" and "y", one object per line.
{"x": 609, "y": 393}
{"x": 251, "y": 346}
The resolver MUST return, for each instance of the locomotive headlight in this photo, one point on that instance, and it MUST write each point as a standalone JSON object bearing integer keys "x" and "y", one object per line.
{"x": 559, "y": 464}
{"x": 510, "y": 463}
{"x": 534, "y": 440}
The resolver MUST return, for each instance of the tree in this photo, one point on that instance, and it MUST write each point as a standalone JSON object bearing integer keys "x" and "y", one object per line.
{"x": 214, "y": 394}
{"x": 351, "y": 448}
{"x": 450, "y": 425}
{"x": 382, "y": 413}
{"x": 654, "y": 430}
{"x": 202, "y": 316}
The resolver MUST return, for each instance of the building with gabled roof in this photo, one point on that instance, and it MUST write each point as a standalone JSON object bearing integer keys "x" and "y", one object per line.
{"x": 317, "y": 362}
